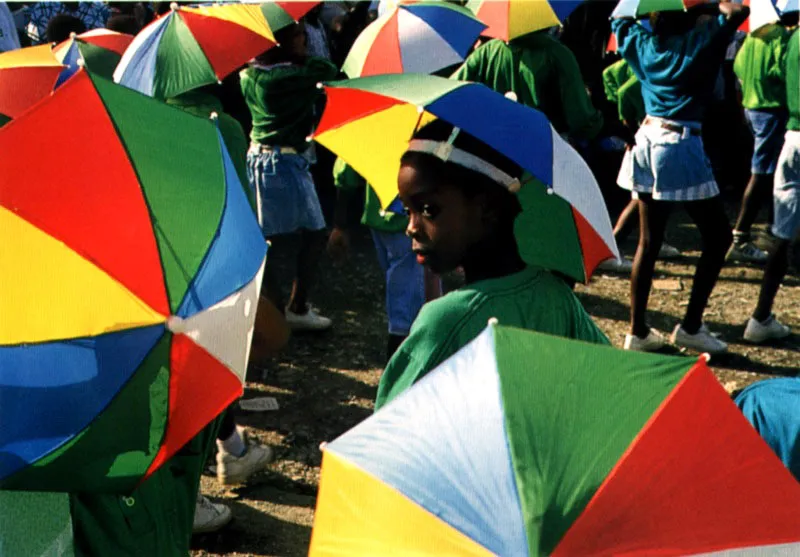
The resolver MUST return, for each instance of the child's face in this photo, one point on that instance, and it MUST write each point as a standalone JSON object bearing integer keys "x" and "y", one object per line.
{"x": 443, "y": 223}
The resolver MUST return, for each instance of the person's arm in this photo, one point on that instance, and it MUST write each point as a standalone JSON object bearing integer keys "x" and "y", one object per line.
{"x": 347, "y": 183}
{"x": 583, "y": 120}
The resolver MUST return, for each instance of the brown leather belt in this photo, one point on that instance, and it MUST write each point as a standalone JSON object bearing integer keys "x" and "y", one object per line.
{"x": 671, "y": 127}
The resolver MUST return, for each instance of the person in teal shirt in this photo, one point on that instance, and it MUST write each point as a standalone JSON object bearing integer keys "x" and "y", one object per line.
{"x": 757, "y": 66}
{"x": 461, "y": 216}
{"x": 677, "y": 64}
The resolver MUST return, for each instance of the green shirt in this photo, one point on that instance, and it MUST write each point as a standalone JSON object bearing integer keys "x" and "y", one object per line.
{"x": 532, "y": 299}
{"x": 758, "y": 67}
{"x": 614, "y": 76}
{"x": 544, "y": 74}
{"x": 791, "y": 73}
{"x": 630, "y": 104}
{"x": 373, "y": 216}
{"x": 282, "y": 99}
{"x": 624, "y": 90}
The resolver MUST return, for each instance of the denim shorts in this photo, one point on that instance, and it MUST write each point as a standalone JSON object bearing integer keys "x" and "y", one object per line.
{"x": 405, "y": 280}
{"x": 285, "y": 192}
{"x": 786, "y": 191}
{"x": 767, "y": 127}
{"x": 671, "y": 166}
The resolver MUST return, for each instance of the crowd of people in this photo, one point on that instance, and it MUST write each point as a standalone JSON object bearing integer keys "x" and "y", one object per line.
{"x": 662, "y": 120}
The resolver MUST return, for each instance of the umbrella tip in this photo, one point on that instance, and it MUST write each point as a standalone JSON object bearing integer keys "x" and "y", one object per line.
{"x": 511, "y": 95}
{"x": 706, "y": 356}
{"x": 309, "y": 138}
{"x": 550, "y": 191}
{"x": 176, "y": 325}
{"x": 493, "y": 321}
{"x": 320, "y": 85}
{"x": 214, "y": 116}
{"x": 72, "y": 34}
{"x": 81, "y": 62}
{"x": 173, "y": 6}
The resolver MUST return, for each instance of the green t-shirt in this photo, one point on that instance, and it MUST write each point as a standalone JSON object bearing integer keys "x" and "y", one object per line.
{"x": 544, "y": 74}
{"x": 630, "y": 103}
{"x": 532, "y": 299}
{"x": 614, "y": 76}
{"x": 790, "y": 71}
{"x": 282, "y": 99}
{"x": 757, "y": 65}
{"x": 373, "y": 216}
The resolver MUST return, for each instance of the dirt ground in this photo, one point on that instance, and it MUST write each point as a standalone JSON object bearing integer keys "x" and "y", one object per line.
{"x": 326, "y": 383}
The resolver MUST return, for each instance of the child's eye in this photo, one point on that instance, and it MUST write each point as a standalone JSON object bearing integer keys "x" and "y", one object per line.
{"x": 430, "y": 211}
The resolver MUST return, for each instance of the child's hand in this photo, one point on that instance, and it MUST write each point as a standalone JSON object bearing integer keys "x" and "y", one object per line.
{"x": 339, "y": 245}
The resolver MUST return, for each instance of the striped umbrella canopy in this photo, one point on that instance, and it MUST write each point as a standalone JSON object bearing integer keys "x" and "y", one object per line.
{"x": 564, "y": 225}
{"x": 509, "y": 19}
{"x": 422, "y": 37}
{"x": 636, "y": 8}
{"x": 788, "y": 6}
{"x": 99, "y": 50}
{"x": 191, "y": 47}
{"x": 27, "y": 75}
{"x": 528, "y": 444}
{"x": 129, "y": 290}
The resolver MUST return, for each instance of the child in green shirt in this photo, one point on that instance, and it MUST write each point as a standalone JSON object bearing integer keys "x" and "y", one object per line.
{"x": 464, "y": 216}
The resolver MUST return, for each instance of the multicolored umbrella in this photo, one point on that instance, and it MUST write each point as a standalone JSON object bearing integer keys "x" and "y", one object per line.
{"x": 788, "y": 6}
{"x": 509, "y": 19}
{"x": 569, "y": 231}
{"x": 527, "y": 444}
{"x": 99, "y": 50}
{"x": 636, "y": 8}
{"x": 422, "y": 37}
{"x": 27, "y": 75}
{"x": 129, "y": 289}
{"x": 191, "y": 47}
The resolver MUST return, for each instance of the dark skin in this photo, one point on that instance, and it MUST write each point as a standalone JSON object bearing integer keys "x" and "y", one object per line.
{"x": 449, "y": 229}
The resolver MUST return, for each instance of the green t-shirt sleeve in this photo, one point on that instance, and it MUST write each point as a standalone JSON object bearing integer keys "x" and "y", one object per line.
{"x": 631, "y": 103}
{"x": 433, "y": 338}
{"x": 472, "y": 68}
{"x": 345, "y": 178}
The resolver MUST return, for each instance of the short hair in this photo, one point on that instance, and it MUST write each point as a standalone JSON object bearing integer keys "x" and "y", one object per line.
{"x": 123, "y": 23}
{"x": 61, "y": 26}
{"x": 471, "y": 183}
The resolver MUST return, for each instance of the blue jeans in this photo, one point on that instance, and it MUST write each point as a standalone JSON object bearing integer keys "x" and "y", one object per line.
{"x": 405, "y": 280}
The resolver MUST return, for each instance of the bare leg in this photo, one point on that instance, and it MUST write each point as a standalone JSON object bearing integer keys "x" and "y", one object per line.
{"x": 626, "y": 221}
{"x": 758, "y": 190}
{"x": 312, "y": 244}
{"x": 709, "y": 217}
{"x": 653, "y": 216}
{"x": 774, "y": 272}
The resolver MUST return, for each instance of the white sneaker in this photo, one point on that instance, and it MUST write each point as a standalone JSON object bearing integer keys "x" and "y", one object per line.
{"x": 308, "y": 321}
{"x": 652, "y": 342}
{"x": 668, "y": 252}
{"x": 208, "y": 516}
{"x": 616, "y": 265}
{"x": 758, "y": 332}
{"x": 234, "y": 470}
{"x": 702, "y": 340}
{"x": 746, "y": 252}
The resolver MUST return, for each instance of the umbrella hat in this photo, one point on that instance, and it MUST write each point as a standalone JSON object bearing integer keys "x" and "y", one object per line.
{"x": 27, "y": 75}
{"x": 127, "y": 310}
{"x": 528, "y": 444}
{"x": 509, "y": 19}
{"x": 423, "y": 38}
{"x": 561, "y": 207}
{"x": 100, "y": 50}
{"x": 191, "y": 47}
{"x": 636, "y": 8}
